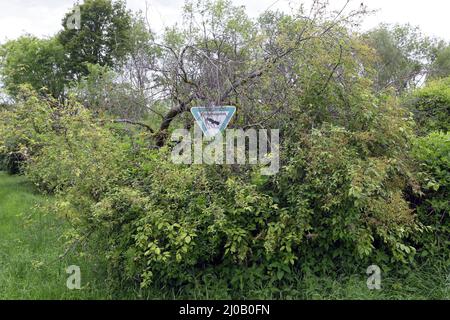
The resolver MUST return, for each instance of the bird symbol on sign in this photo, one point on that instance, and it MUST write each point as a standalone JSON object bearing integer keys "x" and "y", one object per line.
{"x": 213, "y": 121}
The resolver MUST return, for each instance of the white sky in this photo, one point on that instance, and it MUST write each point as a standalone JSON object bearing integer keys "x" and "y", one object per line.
{"x": 43, "y": 17}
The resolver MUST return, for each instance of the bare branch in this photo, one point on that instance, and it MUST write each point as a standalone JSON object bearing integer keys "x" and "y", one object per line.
{"x": 137, "y": 123}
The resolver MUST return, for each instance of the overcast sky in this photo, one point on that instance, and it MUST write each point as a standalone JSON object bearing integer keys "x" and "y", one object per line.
{"x": 43, "y": 17}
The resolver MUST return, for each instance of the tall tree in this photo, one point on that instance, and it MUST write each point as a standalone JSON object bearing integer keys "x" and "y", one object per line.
{"x": 403, "y": 56}
{"x": 440, "y": 68}
{"x": 103, "y": 37}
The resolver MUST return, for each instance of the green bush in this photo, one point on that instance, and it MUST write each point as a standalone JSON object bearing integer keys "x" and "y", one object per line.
{"x": 180, "y": 221}
{"x": 23, "y": 130}
{"x": 348, "y": 200}
{"x": 432, "y": 154}
{"x": 59, "y": 145}
{"x": 431, "y": 106}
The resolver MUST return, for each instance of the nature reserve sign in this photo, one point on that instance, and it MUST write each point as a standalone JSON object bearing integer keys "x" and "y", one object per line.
{"x": 213, "y": 120}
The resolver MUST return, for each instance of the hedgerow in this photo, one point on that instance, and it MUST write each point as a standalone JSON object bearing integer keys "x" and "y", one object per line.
{"x": 338, "y": 201}
{"x": 356, "y": 185}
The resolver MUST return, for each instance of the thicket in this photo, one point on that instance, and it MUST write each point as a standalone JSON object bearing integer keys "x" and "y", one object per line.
{"x": 359, "y": 183}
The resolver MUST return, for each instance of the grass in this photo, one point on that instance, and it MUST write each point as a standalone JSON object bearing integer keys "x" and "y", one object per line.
{"x": 429, "y": 282}
{"x": 30, "y": 245}
{"x": 31, "y": 242}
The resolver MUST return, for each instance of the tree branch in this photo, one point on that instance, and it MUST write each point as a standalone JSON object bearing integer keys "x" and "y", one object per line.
{"x": 146, "y": 126}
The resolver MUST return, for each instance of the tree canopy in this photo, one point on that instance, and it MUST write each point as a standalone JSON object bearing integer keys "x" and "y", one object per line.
{"x": 102, "y": 39}
{"x": 37, "y": 62}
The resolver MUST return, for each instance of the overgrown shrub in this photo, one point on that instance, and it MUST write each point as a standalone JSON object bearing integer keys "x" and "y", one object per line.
{"x": 347, "y": 193}
{"x": 431, "y": 106}
{"x": 23, "y": 130}
{"x": 432, "y": 154}
{"x": 338, "y": 200}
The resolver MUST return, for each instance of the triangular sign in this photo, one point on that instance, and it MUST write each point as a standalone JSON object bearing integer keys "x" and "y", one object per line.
{"x": 214, "y": 119}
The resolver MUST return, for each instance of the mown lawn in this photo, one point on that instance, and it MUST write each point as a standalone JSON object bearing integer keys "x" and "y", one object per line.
{"x": 31, "y": 242}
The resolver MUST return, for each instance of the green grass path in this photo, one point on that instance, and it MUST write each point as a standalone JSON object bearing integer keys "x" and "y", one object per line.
{"x": 30, "y": 244}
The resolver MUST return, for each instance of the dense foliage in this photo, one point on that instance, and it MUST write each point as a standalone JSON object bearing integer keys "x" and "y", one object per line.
{"x": 103, "y": 37}
{"x": 33, "y": 61}
{"x": 431, "y": 106}
{"x": 433, "y": 155}
{"x": 356, "y": 185}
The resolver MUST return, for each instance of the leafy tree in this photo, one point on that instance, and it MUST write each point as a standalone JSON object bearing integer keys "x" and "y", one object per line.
{"x": 126, "y": 90}
{"x": 403, "y": 56}
{"x": 440, "y": 68}
{"x": 103, "y": 38}
{"x": 136, "y": 70}
{"x": 431, "y": 106}
{"x": 103, "y": 92}
{"x": 219, "y": 56}
{"x": 38, "y": 62}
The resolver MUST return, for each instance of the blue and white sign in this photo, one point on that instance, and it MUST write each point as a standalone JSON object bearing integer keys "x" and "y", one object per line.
{"x": 213, "y": 120}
